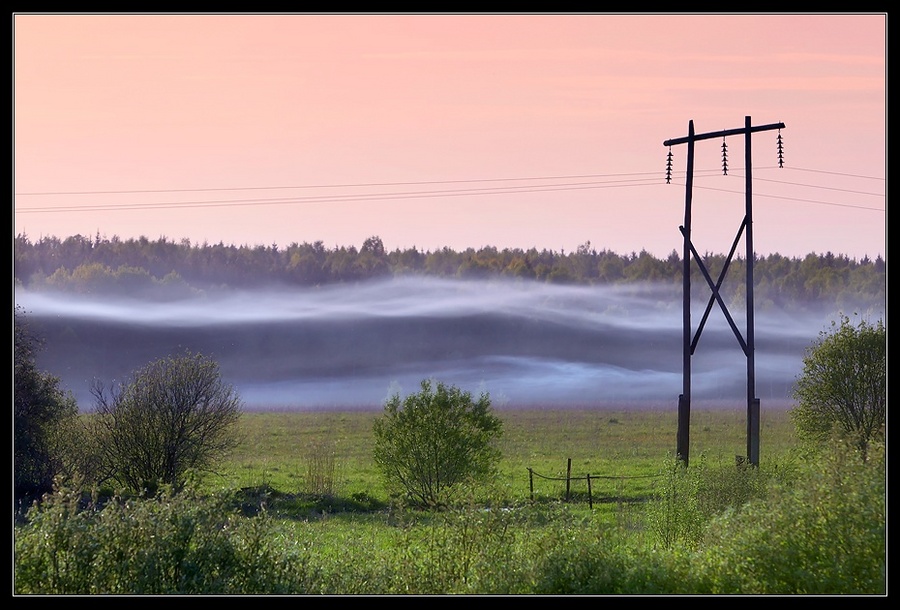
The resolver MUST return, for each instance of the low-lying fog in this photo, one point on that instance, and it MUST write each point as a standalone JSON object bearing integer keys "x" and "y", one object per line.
{"x": 351, "y": 346}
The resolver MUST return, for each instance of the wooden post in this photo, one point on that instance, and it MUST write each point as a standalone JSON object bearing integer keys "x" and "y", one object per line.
{"x": 752, "y": 400}
{"x": 748, "y": 346}
{"x": 683, "y": 437}
{"x": 753, "y": 432}
{"x": 568, "y": 478}
{"x": 590, "y": 499}
{"x": 531, "y": 483}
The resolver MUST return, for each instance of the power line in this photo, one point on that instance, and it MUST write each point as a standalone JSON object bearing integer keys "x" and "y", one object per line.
{"x": 757, "y": 194}
{"x": 351, "y": 185}
{"x": 512, "y": 189}
{"x": 815, "y": 186}
{"x": 348, "y": 185}
{"x": 821, "y": 171}
{"x": 332, "y": 198}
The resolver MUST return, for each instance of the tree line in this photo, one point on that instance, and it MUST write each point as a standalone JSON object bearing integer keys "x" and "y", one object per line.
{"x": 164, "y": 268}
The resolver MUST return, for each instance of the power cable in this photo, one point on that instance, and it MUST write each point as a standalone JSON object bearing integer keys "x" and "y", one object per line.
{"x": 512, "y": 189}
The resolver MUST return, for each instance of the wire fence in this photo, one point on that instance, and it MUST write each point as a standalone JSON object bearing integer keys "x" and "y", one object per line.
{"x": 569, "y": 478}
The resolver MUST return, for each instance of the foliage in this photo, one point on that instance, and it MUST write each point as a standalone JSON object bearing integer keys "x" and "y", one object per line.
{"x": 843, "y": 387}
{"x": 435, "y": 439}
{"x": 825, "y": 533}
{"x": 166, "y": 545}
{"x": 469, "y": 548}
{"x": 818, "y": 530}
{"x": 685, "y": 499}
{"x": 605, "y": 562}
{"x": 166, "y": 269}
{"x": 43, "y": 416}
{"x": 675, "y": 515}
{"x": 816, "y": 527}
{"x": 173, "y": 416}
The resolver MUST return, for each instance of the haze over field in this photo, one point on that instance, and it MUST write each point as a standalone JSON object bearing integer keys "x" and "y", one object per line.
{"x": 351, "y": 346}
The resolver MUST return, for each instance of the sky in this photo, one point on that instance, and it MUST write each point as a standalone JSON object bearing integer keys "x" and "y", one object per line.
{"x": 452, "y": 130}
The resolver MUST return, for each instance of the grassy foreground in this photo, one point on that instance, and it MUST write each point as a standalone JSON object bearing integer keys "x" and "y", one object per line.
{"x": 299, "y": 509}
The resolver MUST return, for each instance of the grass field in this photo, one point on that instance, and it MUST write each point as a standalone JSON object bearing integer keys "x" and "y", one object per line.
{"x": 622, "y": 450}
{"x": 313, "y": 517}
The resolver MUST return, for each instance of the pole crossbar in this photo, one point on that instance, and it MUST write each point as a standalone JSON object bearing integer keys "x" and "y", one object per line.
{"x": 747, "y": 343}
{"x": 722, "y": 134}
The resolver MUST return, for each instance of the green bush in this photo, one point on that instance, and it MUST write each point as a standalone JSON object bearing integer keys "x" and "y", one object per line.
{"x": 842, "y": 390}
{"x": 823, "y": 534}
{"x": 44, "y": 416}
{"x": 674, "y": 515}
{"x": 172, "y": 416}
{"x": 432, "y": 441}
{"x": 169, "y": 544}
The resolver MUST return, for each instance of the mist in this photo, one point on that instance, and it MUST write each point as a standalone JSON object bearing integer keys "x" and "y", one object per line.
{"x": 351, "y": 346}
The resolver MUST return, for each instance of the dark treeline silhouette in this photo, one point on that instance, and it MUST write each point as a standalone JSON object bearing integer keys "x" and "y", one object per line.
{"x": 164, "y": 268}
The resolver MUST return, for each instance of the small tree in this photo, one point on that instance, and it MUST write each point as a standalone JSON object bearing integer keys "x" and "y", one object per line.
{"x": 435, "y": 439}
{"x": 42, "y": 414}
{"x": 842, "y": 389}
{"x": 172, "y": 416}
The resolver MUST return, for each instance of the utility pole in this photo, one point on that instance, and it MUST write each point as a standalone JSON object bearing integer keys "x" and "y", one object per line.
{"x": 689, "y": 252}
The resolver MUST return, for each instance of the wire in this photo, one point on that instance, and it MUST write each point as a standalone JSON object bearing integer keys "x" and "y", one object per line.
{"x": 820, "y": 171}
{"x": 332, "y": 198}
{"x": 512, "y": 189}
{"x": 313, "y": 186}
{"x": 757, "y": 194}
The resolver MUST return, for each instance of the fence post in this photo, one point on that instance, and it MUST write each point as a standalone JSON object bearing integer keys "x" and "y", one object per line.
{"x": 531, "y": 483}
{"x": 590, "y": 498}
{"x": 568, "y": 478}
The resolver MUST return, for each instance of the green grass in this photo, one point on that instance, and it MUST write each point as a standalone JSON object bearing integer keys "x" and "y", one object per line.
{"x": 286, "y": 452}
{"x": 299, "y": 509}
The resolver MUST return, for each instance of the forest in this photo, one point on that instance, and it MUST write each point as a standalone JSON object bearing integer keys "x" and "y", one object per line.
{"x": 166, "y": 269}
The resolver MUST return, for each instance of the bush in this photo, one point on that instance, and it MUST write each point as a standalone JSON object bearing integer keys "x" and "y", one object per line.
{"x": 173, "y": 416}
{"x": 431, "y": 441}
{"x": 184, "y": 544}
{"x": 43, "y": 416}
{"x": 824, "y": 534}
{"x": 842, "y": 390}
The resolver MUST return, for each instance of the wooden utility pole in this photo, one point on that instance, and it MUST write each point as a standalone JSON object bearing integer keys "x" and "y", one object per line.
{"x": 689, "y": 252}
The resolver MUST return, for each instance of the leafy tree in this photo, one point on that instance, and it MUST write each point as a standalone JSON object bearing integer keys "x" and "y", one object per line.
{"x": 170, "y": 417}
{"x": 435, "y": 439}
{"x": 42, "y": 412}
{"x": 842, "y": 389}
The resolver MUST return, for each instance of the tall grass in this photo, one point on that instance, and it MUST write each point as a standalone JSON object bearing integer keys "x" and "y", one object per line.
{"x": 791, "y": 526}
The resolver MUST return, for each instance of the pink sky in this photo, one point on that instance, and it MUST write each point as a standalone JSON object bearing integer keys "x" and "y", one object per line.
{"x": 462, "y": 131}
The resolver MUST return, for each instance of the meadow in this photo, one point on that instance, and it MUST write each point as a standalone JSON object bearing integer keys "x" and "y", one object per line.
{"x": 299, "y": 509}
{"x": 293, "y": 451}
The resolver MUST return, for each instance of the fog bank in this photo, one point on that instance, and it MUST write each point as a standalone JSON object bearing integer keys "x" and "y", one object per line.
{"x": 350, "y": 346}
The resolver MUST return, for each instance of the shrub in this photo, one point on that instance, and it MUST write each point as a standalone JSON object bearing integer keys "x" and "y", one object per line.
{"x": 169, "y": 544}
{"x": 843, "y": 387}
{"x": 173, "y": 416}
{"x": 433, "y": 440}
{"x": 43, "y": 416}
{"x": 825, "y": 534}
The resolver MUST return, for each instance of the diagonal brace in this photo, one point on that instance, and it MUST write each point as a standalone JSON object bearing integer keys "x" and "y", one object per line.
{"x": 724, "y": 271}
{"x": 716, "y": 295}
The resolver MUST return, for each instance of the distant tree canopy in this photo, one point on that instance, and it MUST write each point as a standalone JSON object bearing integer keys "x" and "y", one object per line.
{"x": 166, "y": 269}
